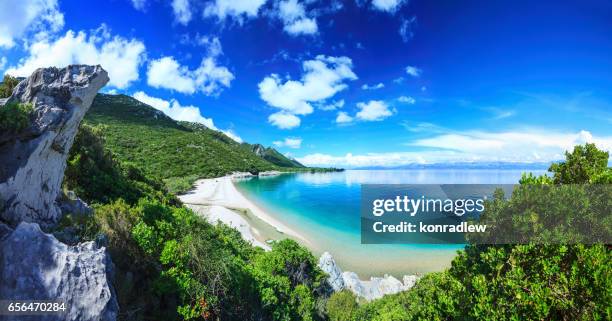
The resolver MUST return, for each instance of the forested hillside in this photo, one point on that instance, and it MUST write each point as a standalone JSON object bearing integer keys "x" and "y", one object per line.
{"x": 178, "y": 152}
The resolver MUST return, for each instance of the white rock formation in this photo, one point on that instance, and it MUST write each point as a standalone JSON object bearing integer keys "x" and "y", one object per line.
{"x": 36, "y": 266}
{"x": 328, "y": 265}
{"x": 375, "y": 288}
{"x": 32, "y": 161}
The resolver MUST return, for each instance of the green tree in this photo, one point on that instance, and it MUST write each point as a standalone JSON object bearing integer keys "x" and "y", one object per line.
{"x": 7, "y": 86}
{"x": 580, "y": 166}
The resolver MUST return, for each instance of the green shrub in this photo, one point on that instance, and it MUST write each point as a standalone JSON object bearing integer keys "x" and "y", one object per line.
{"x": 342, "y": 306}
{"x": 7, "y": 86}
{"x": 15, "y": 117}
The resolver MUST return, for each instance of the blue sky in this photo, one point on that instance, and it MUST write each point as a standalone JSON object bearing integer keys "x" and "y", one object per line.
{"x": 346, "y": 83}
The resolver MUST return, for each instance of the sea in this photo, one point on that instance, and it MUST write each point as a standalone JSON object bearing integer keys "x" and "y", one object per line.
{"x": 325, "y": 209}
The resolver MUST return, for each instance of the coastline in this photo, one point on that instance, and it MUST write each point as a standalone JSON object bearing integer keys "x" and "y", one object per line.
{"x": 217, "y": 199}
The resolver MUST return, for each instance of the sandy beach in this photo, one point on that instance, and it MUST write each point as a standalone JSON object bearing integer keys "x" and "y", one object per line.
{"x": 218, "y": 200}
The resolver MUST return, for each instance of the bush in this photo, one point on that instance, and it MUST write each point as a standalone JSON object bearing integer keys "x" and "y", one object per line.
{"x": 7, "y": 86}
{"x": 15, "y": 117}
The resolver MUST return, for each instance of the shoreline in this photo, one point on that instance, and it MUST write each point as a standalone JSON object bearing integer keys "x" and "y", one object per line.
{"x": 218, "y": 199}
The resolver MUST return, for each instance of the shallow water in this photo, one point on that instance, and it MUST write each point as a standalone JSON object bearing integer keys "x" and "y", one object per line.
{"x": 324, "y": 207}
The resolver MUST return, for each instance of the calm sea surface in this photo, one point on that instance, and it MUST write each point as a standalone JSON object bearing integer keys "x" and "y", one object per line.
{"x": 324, "y": 207}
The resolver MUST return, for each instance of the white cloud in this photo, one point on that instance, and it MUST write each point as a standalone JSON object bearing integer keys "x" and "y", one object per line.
{"x": 290, "y": 142}
{"x": 304, "y": 26}
{"x": 387, "y": 5}
{"x": 139, "y": 4}
{"x": 343, "y": 118}
{"x": 176, "y": 111}
{"x": 332, "y": 106}
{"x": 406, "y": 99}
{"x": 373, "y": 87}
{"x": 208, "y": 78}
{"x": 406, "y": 30}
{"x": 284, "y": 120}
{"x": 119, "y": 56}
{"x": 413, "y": 71}
{"x": 237, "y": 9}
{"x": 182, "y": 11}
{"x": 293, "y": 15}
{"x": 322, "y": 78}
{"x": 3, "y": 62}
{"x": 374, "y": 110}
{"x": 21, "y": 17}
{"x": 526, "y": 146}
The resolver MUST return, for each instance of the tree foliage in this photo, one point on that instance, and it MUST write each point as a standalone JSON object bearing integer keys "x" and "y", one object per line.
{"x": 8, "y": 84}
{"x": 519, "y": 281}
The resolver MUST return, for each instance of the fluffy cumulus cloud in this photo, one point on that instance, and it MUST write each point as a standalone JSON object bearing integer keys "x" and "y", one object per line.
{"x": 380, "y": 85}
{"x": 413, "y": 71}
{"x": 237, "y": 9}
{"x": 176, "y": 111}
{"x": 374, "y": 110}
{"x": 284, "y": 120}
{"x": 406, "y": 99}
{"x": 209, "y": 78}
{"x": 343, "y": 118}
{"x": 290, "y": 142}
{"x": 322, "y": 78}
{"x": 293, "y": 15}
{"x": 19, "y": 18}
{"x": 387, "y": 5}
{"x": 473, "y": 146}
{"x": 182, "y": 11}
{"x": 121, "y": 57}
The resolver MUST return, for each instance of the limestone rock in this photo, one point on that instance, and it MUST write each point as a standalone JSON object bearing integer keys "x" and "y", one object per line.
{"x": 34, "y": 265}
{"x": 375, "y": 288}
{"x": 329, "y": 266}
{"x": 32, "y": 161}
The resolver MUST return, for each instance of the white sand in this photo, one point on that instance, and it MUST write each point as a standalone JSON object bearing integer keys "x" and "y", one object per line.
{"x": 222, "y": 200}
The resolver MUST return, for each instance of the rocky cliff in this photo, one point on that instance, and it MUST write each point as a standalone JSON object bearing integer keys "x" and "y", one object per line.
{"x": 35, "y": 265}
{"x": 32, "y": 161}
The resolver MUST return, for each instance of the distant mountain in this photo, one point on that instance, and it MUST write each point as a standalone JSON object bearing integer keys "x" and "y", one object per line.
{"x": 465, "y": 165}
{"x": 272, "y": 155}
{"x": 138, "y": 133}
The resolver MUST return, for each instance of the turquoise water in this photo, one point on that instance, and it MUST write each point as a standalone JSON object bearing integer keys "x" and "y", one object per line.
{"x": 324, "y": 207}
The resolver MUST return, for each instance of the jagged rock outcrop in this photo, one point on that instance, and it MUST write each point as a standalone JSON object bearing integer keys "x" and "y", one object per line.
{"x": 375, "y": 288}
{"x": 328, "y": 265}
{"x": 32, "y": 161}
{"x": 35, "y": 265}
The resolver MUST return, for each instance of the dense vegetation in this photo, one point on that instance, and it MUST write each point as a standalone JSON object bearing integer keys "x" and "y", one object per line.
{"x": 520, "y": 281}
{"x": 173, "y": 265}
{"x": 178, "y": 152}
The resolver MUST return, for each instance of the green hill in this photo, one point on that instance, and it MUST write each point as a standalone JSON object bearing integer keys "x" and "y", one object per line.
{"x": 140, "y": 134}
{"x": 272, "y": 155}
